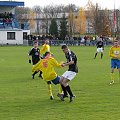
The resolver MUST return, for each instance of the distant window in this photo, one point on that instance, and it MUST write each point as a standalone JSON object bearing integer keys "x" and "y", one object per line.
{"x": 22, "y": 26}
{"x": 24, "y": 35}
{"x": 10, "y": 35}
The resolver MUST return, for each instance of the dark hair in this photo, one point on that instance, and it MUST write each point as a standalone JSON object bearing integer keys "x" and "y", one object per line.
{"x": 46, "y": 54}
{"x": 64, "y": 47}
{"x": 116, "y": 40}
{"x": 35, "y": 42}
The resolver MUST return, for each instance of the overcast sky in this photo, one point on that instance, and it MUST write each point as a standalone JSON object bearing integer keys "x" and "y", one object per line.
{"x": 103, "y": 3}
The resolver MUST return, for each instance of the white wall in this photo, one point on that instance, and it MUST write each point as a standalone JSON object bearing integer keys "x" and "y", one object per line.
{"x": 28, "y": 31}
{"x": 18, "y": 36}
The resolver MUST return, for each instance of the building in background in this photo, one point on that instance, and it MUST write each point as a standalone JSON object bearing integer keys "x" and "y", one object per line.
{"x": 11, "y": 31}
{"x": 42, "y": 21}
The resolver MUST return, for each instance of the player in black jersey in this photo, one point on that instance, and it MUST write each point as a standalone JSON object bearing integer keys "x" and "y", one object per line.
{"x": 70, "y": 74}
{"x": 100, "y": 48}
{"x": 35, "y": 53}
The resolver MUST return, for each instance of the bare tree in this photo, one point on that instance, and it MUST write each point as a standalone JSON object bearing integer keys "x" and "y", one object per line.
{"x": 71, "y": 22}
{"x": 72, "y": 7}
{"x": 106, "y": 30}
{"x": 22, "y": 13}
{"x": 38, "y": 11}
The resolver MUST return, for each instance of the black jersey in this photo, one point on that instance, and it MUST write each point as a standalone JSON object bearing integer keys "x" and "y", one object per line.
{"x": 70, "y": 56}
{"x": 35, "y": 53}
{"x": 100, "y": 44}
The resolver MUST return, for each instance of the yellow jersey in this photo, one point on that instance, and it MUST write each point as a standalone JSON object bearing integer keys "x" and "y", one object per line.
{"x": 47, "y": 66}
{"x": 45, "y": 48}
{"x": 115, "y": 52}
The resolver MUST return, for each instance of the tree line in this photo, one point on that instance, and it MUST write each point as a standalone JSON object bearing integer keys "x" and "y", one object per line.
{"x": 73, "y": 20}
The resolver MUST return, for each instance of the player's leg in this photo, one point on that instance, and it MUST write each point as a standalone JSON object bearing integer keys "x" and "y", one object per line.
{"x": 96, "y": 53}
{"x": 68, "y": 89}
{"x": 33, "y": 75}
{"x": 40, "y": 74}
{"x": 50, "y": 90}
{"x": 101, "y": 53}
{"x": 57, "y": 81}
{"x": 60, "y": 90}
{"x": 112, "y": 76}
{"x": 63, "y": 88}
{"x": 68, "y": 76}
{"x": 113, "y": 66}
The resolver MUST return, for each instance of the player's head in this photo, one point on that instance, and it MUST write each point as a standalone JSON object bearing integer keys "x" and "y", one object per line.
{"x": 64, "y": 48}
{"x": 116, "y": 42}
{"x": 100, "y": 39}
{"x": 35, "y": 44}
{"x": 46, "y": 41}
{"x": 47, "y": 54}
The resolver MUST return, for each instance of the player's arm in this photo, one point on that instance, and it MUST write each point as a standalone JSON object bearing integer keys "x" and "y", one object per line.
{"x": 71, "y": 61}
{"x": 42, "y": 50}
{"x": 47, "y": 48}
{"x": 36, "y": 67}
{"x": 111, "y": 54}
{"x": 29, "y": 55}
{"x": 55, "y": 63}
{"x": 68, "y": 63}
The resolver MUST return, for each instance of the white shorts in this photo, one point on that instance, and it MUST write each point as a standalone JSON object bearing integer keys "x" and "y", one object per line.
{"x": 99, "y": 49}
{"x": 69, "y": 75}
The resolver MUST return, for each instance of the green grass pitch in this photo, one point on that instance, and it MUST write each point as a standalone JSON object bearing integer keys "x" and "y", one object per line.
{"x": 22, "y": 98}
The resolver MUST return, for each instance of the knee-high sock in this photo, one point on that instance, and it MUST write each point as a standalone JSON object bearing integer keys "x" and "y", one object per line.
{"x": 40, "y": 75}
{"x": 60, "y": 89}
{"x": 64, "y": 90}
{"x": 101, "y": 55}
{"x": 112, "y": 77}
{"x": 95, "y": 55}
{"x": 69, "y": 90}
{"x": 50, "y": 89}
{"x": 35, "y": 72}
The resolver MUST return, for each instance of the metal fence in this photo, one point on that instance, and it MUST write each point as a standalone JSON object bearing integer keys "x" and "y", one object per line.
{"x": 59, "y": 43}
{"x": 67, "y": 42}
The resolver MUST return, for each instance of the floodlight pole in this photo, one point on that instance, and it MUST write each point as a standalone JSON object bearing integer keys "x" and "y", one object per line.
{"x": 115, "y": 27}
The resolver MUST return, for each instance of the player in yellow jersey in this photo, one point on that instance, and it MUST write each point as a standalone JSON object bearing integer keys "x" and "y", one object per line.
{"x": 45, "y": 48}
{"x": 115, "y": 59}
{"x": 47, "y": 65}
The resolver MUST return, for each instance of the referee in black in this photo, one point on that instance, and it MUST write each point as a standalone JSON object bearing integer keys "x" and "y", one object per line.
{"x": 35, "y": 53}
{"x": 100, "y": 48}
{"x": 69, "y": 74}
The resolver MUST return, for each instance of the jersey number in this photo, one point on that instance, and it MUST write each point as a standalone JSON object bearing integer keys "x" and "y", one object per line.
{"x": 45, "y": 64}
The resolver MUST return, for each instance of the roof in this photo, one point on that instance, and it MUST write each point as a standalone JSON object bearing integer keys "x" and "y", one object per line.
{"x": 11, "y": 3}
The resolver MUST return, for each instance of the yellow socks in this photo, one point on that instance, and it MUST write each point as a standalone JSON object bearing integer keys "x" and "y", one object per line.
{"x": 60, "y": 90}
{"x": 112, "y": 77}
{"x": 50, "y": 89}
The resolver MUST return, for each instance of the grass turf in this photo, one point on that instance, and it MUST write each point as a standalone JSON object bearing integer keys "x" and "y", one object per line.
{"x": 22, "y": 98}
